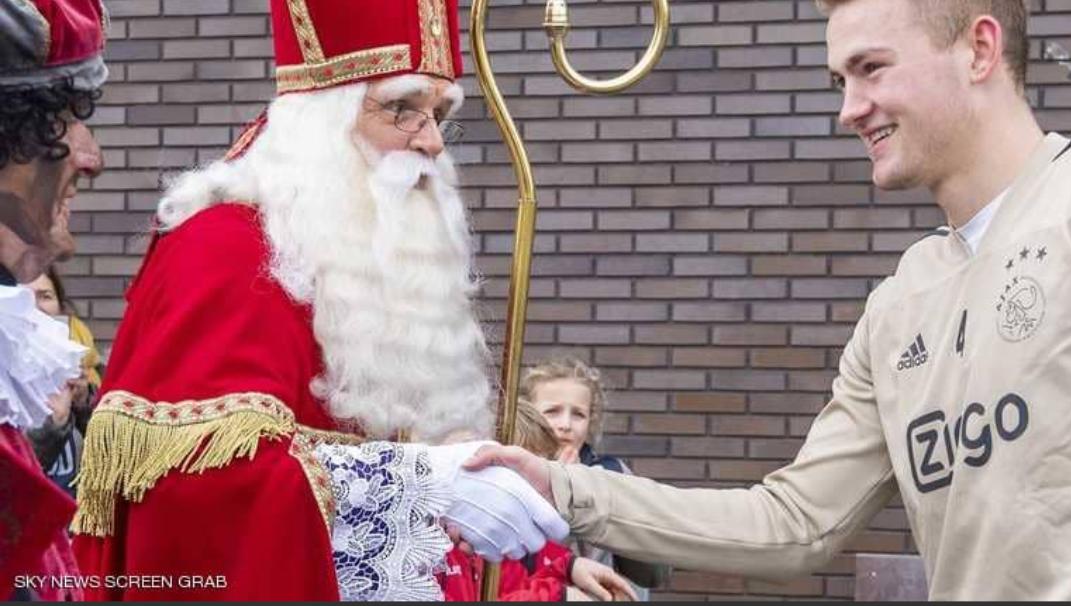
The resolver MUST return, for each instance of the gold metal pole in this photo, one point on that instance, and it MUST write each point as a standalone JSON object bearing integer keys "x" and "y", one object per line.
{"x": 517, "y": 302}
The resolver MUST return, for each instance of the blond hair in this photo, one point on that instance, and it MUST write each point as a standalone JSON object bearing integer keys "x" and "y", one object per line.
{"x": 533, "y": 433}
{"x": 577, "y": 370}
{"x": 947, "y": 20}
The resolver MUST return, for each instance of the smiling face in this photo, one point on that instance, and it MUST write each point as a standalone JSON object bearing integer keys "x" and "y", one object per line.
{"x": 903, "y": 96}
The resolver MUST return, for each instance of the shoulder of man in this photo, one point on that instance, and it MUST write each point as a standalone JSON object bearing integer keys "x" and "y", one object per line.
{"x": 225, "y": 240}
{"x": 917, "y": 265}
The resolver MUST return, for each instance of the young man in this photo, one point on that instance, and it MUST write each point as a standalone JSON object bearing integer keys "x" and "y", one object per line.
{"x": 310, "y": 291}
{"x": 953, "y": 387}
{"x": 50, "y": 71}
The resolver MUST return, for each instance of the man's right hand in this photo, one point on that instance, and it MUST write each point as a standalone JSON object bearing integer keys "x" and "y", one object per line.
{"x": 530, "y": 467}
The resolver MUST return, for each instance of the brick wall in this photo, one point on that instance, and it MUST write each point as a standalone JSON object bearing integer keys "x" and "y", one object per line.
{"x": 707, "y": 239}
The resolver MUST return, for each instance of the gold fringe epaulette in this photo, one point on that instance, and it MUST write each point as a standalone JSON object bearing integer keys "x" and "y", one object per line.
{"x": 131, "y": 443}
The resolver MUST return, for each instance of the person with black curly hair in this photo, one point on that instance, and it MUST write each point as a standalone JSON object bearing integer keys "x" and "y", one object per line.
{"x": 44, "y": 149}
{"x": 51, "y": 70}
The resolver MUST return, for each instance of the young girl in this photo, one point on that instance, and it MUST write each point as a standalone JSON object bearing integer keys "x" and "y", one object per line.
{"x": 554, "y": 573}
{"x": 571, "y": 397}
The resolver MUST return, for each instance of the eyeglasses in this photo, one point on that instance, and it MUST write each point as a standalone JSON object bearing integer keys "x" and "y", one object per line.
{"x": 412, "y": 121}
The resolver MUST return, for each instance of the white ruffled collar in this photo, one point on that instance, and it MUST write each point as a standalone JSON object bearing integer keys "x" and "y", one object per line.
{"x": 37, "y": 358}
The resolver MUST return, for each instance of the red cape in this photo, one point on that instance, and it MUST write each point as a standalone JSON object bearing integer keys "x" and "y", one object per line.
{"x": 34, "y": 515}
{"x": 206, "y": 320}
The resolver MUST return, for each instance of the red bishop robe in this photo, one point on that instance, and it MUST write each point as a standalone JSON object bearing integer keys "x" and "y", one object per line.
{"x": 211, "y": 365}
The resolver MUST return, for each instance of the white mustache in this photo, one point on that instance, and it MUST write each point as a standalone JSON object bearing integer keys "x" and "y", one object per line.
{"x": 401, "y": 170}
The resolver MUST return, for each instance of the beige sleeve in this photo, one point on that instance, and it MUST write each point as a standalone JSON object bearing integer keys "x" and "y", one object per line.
{"x": 791, "y": 523}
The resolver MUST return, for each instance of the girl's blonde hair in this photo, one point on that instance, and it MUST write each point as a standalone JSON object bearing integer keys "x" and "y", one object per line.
{"x": 569, "y": 368}
{"x": 533, "y": 433}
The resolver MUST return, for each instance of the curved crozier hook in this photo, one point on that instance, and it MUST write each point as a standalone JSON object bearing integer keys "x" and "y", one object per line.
{"x": 557, "y": 26}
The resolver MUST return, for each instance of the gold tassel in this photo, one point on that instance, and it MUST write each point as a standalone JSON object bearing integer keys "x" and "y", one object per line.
{"x": 131, "y": 443}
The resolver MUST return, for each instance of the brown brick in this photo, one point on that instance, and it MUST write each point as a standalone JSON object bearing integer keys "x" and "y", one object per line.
{"x": 829, "y": 242}
{"x": 232, "y": 26}
{"x": 634, "y": 446}
{"x": 720, "y": 219}
{"x": 709, "y": 312}
{"x": 788, "y": 265}
{"x": 645, "y": 220}
{"x": 599, "y": 197}
{"x": 751, "y": 242}
{"x": 669, "y": 423}
{"x": 632, "y": 312}
{"x": 632, "y": 265}
{"x": 870, "y": 265}
{"x": 632, "y": 356}
{"x": 678, "y": 288}
{"x": 821, "y": 335}
{"x": 710, "y": 173}
{"x": 786, "y": 403}
{"x": 720, "y": 265}
{"x": 670, "y": 334}
{"x": 761, "y": 380}
{"x": 669, "y": 379}
{"x": 846, "y": 312}
{"x": 765, "y": 311}
{"x": 635, "y": 129}
{"x": 709, "y": 357}
{"x": 829, "y": 288}
{"x": 709, "y": 402}
{"x": 558, "y": 311}
{"x": 791, "y": 219}
{"x": 596, "y": 243}
{"x": 793, "y": 357}
{"x": 816, "y": 381}
{"x": 749, "y": 288}
{"x": 707, "y": 447}
{"x": 673, "y": 242}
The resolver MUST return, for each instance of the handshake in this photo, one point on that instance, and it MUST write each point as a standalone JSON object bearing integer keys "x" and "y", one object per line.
{"x": 390, "y": 500}
{"x": 494, "y": 509}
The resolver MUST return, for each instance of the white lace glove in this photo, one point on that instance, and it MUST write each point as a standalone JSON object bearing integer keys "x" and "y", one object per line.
{"x": 496, "y": 510}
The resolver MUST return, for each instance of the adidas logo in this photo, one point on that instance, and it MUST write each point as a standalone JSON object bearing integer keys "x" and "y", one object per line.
{"x": 915, "y": 355}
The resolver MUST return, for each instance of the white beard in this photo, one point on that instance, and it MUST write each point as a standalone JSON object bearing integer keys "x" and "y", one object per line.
{"x": 386, "y": 267}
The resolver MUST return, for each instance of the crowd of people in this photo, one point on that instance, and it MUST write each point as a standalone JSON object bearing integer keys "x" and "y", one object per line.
{"x": 345, "y": 453}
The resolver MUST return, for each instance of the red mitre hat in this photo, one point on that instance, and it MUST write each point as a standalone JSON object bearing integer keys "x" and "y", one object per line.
{"x": 324, "y": 43}
{"x": 44, "y": 41}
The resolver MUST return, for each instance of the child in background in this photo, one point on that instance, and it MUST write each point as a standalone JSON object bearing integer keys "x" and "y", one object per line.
{"x": 571, "y": 397}
{"x": 543, "y": 576}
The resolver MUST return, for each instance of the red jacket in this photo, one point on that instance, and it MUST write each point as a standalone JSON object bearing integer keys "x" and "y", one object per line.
{"x": 205, "y": 319}
{"x": 542, "y": 577}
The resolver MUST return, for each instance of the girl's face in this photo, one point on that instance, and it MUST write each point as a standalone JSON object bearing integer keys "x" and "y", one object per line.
{"x": 566, "y": 405}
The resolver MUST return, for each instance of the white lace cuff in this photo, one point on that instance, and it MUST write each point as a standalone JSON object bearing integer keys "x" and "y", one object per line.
{"x": 37, "y": 358}
{"x": 386, "y": 538}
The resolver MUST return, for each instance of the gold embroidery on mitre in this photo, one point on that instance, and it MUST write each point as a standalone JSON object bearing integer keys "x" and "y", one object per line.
{"x": 131, "y": 443}
{"x": 344, "y": 68}
{"x": 308, "y": 41}
{"x": 436, "y": 57}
